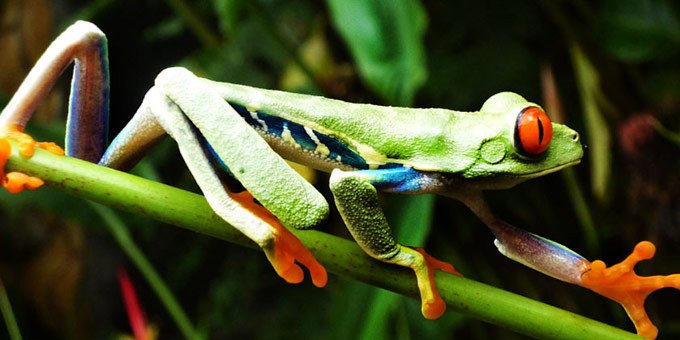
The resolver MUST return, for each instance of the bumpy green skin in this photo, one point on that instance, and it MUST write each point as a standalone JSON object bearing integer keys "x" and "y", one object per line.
{"x": 357, "y": 201}
{"x": 379, "y": 134}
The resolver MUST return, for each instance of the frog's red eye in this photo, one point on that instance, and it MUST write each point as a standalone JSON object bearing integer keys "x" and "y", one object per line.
{"x": 533, "y": 131}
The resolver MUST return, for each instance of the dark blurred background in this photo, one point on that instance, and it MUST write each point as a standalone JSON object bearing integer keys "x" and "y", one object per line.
{"x": 609, "y": 69}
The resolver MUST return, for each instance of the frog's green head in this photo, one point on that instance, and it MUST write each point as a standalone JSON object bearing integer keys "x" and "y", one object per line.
{"x": 521, "y": 143}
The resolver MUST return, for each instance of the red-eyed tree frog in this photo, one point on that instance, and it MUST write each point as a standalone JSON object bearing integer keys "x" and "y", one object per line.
{"x": 247, "y": 132}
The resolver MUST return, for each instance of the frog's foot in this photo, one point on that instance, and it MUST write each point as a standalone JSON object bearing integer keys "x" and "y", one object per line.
{"x": 15, "y": 182}
{"x": 27, "y": 144}
{"x": 285, "y": 249}
{"x": 621, "y": 284}
{"x": 424, "y": 265}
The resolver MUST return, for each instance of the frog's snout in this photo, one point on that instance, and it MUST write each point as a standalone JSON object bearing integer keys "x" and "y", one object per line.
{"x": 571, "y": 137}
{"x": 566, "y": 144}
{"x": 576, "y": 138}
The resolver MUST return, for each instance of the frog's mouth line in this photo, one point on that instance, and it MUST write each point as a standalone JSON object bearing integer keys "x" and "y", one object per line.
{"x": 549, "y": 171}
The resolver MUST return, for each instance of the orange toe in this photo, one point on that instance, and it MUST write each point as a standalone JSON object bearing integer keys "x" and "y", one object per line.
{"x": 433, "y": 306}
{"x": 51, "y": 147}
{"x": 27, "y": 144}
{"x": 621, "y": 284}
{"x": 286, "y": 253}
{"x": 15, "y": 182}
{"x": 435, "y": 309}
{"x": 437, "y": 264}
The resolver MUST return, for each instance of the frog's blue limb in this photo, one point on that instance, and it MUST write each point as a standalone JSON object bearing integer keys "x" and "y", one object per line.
{"x": 539, "y": 253}
{"x": 398, "y": 179}
{"x": 216, "y": 157}
{"x": 88, "y": 120}
{"x": 167, "y": 107}
{"x": 534, "y": 251}
{"x": 141, "y": 133}
{"x": 85, "y": 45}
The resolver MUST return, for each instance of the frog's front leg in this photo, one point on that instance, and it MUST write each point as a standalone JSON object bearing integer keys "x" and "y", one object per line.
{"x": 357, "y": 200}
{"x": 618, "y": 282}
{"x": 209, "y": 132}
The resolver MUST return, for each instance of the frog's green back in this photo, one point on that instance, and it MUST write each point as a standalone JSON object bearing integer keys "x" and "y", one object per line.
{"x": 336, "y": 134}
{"x": 426, "y": 139}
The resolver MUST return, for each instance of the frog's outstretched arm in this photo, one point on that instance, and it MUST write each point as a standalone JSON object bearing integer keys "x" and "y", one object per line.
{"x": 357, "y": 200}
{"x": 618, "y": 282}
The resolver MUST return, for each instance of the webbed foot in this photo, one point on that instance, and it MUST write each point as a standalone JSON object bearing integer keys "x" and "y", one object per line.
{"x": 286, "y": 253}
{"x": 15, "y": 182}
{"x": 621, "y": 284}
{"x": 424, "y": 265}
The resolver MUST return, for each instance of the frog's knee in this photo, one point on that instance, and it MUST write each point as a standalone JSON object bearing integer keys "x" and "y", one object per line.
{"x": 173, "y": 75}
{"x": 343, "y": 180}
{"x": 336, "y": 178}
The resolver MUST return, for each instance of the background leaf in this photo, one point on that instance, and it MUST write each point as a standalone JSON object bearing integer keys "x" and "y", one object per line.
{"x": 598, "y": 135}
{"x": 640, "y": 30}
{"x": 385, "y": 38}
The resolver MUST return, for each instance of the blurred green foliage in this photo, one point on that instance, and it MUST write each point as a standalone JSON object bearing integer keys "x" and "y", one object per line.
{"x": 389, "y": 50}
{"x": 617, "y": 71}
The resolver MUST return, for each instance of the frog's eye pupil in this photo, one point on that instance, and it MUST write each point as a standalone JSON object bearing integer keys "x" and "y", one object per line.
{"x": 533, "y": 131}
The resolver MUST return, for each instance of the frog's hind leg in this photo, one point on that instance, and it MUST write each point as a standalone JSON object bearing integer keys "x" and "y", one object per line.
{"x": 357, "y": 200}
{"x": 84, "y": 45}
{"x": 164, "y": 110}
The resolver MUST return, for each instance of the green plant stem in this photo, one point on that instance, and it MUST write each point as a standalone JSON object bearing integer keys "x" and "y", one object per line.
{"x": 339, "y": 256}
{"x": 122, "y": 236}
{"x": 8, "y": 314}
